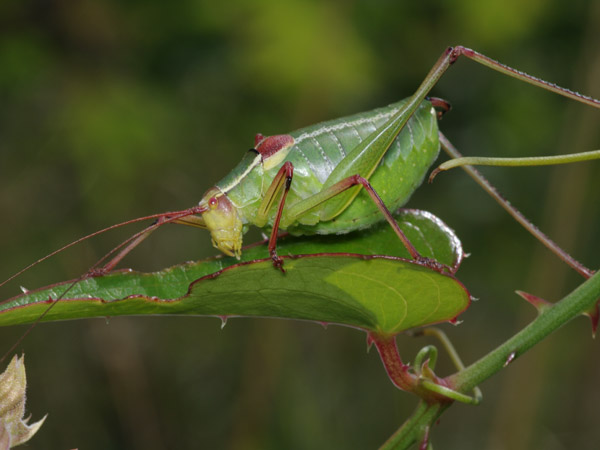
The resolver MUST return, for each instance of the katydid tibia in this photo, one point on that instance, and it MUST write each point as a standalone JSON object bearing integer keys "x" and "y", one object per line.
{"x": 309, "y": 181}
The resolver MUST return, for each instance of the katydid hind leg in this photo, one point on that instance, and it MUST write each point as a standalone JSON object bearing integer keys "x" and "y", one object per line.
{"x": 480, "y": 58}
{"x": 366, "y": 156}
{"x": 448, "y": 58}
{"x": 517, "y": 215}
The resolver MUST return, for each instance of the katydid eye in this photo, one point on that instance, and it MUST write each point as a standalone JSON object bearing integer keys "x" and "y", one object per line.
{"x": 213, "y": 202}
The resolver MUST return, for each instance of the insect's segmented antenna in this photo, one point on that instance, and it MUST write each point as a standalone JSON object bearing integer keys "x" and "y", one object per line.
{"x": 179, "y": 214}
{"x": 128, "y": 243}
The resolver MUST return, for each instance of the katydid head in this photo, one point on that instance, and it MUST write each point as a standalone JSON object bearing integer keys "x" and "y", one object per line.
{"x": 223, "y": 222}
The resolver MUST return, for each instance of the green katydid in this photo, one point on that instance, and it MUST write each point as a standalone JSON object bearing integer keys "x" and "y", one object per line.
{"x": 308, "y": 181}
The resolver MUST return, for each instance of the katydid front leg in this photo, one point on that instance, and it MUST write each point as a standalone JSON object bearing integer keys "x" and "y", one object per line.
{"x": 281, "y": 183}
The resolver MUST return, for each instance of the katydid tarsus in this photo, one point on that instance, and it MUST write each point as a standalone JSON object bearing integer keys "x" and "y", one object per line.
{"x": 309, "y": 181}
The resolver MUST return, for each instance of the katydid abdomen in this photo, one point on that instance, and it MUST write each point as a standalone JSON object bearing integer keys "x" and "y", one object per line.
{"x": 397, "y": 175}
{"x": 316, "y": 151}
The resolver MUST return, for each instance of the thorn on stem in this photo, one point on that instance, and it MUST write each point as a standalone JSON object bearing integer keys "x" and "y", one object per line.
{"x": 223, "y": 321}
{"x": 511, "y": 357}
{"x": 370, "y": 342}
{"x": 594, "y": 315}
{"x": 539, "y": 303}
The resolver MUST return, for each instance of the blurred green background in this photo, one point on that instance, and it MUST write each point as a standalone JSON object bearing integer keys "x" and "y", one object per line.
{"x": 114, "y": 110}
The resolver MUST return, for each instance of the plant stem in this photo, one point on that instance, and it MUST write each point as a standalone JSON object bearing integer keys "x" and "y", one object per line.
{"x": 522, "y": 161}
{"x": 395, "y": 368}
{"x": 415, "y": 428}
{"x": 582, "y": 299}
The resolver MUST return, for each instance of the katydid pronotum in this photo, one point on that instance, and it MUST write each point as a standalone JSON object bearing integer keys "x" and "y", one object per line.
{"x": 308, "y": 181}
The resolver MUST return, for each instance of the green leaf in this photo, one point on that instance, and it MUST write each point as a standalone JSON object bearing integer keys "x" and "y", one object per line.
{"x": 337, "y": 280}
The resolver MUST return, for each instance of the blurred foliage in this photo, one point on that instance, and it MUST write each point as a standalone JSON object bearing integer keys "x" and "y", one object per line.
{"x": 112, "y": 110}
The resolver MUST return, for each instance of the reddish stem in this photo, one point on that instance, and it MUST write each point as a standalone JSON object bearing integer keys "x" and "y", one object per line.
{"x": 395, "y": 368}
{"x": 400, "y": 373}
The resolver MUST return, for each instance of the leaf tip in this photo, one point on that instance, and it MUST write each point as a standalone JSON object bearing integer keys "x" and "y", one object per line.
{"x": 454, "y": 321}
